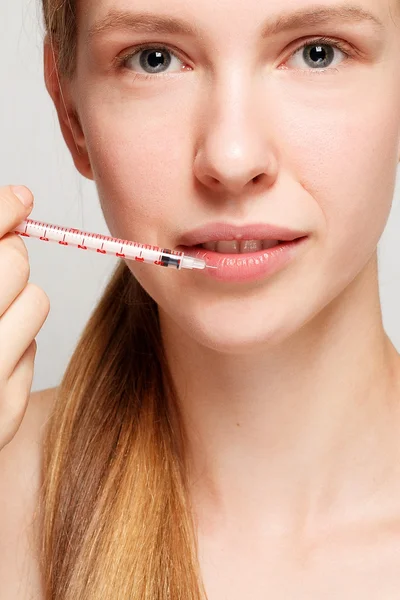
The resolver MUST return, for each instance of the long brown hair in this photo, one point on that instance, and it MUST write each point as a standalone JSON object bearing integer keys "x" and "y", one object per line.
{"x": 117, "y": 519}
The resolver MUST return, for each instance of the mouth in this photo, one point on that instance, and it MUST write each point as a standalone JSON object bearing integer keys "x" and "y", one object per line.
{"x": 243, "y": 253}
{"x": 253, "y": 264}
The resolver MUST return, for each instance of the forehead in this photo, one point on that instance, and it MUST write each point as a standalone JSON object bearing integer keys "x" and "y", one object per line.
{"x": 229, "y": 18}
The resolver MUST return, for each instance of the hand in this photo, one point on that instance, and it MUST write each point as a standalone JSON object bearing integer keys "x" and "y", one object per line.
{"x": 24, "y": 308}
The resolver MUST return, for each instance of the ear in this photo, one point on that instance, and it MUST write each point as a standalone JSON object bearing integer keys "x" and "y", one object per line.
{"x": 67, "y": 115}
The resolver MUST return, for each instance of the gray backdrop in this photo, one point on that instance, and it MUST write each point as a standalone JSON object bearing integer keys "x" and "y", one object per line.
{"x": 33, "y": 153}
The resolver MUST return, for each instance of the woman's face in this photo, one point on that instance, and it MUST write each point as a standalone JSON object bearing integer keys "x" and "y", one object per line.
{"x": 226, "y": 125}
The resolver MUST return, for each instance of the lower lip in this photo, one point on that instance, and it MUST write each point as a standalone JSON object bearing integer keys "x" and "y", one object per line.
{"x": 250, "y": 266}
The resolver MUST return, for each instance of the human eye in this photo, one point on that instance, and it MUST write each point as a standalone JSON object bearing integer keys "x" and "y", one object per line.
{"x": 320, "y": 54}
{"x": 151, "y": 61}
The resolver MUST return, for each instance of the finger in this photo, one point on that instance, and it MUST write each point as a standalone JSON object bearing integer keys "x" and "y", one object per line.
{"x": 19, "y": 325}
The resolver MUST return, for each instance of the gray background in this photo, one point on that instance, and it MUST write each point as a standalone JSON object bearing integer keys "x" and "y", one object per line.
{"x": 33, "y": 153}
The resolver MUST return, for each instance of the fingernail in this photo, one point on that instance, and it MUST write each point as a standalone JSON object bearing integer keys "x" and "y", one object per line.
{"x": 23, "y": 194}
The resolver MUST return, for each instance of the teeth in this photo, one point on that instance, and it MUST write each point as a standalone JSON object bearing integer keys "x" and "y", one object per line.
{"x": 210, "y": 246}
{"x": 251, "y": 246}
{"x": 269, "y": 244}
{"x": 239, "y": 247}
{"x": 232, "y": 247}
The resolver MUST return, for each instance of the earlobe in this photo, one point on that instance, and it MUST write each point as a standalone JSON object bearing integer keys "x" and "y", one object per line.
{"x": 70, "y": 125}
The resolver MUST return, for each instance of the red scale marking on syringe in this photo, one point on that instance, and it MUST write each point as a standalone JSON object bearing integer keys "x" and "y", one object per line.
{"x": 25, "y": 234}
{"x": 120, "y": 254}
{"x": 100, "y": 250}
{"x": 44, "y": 238}
{"x": 63, "y": 243}
{"x": 140, "y": 257}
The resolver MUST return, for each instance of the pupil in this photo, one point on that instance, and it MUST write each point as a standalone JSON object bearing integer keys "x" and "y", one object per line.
{"x": 319, "y": 54}
{"x": 154, "y": 60}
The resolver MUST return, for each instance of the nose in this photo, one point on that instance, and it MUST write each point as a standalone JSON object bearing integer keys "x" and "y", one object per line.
{"x": 234, "y": 152}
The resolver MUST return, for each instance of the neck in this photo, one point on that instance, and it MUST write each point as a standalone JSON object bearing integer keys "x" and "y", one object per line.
{"x": 302, "y": 430}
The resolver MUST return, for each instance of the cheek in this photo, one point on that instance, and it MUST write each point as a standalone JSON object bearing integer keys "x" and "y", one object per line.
{"x": 343, "y": 150}
{"x": 141, "y": 163}
{"x": 142, "y": 167}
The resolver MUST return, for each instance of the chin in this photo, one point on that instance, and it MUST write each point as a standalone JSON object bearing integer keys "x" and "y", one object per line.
{"x": 226, "y": 324}
{"x": 236, "y": 337}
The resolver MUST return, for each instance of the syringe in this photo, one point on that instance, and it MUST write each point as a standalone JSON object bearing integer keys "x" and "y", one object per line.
{"x": 103, "y": 244}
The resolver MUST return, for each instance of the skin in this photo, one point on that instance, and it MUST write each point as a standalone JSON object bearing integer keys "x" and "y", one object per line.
{"x": 289, "y": 386}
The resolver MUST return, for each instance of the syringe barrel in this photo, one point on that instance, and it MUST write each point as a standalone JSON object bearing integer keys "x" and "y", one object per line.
{"x": 101, "y": 244}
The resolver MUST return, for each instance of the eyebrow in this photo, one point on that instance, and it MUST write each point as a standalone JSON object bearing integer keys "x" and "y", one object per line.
{"x": 311, "y": 15}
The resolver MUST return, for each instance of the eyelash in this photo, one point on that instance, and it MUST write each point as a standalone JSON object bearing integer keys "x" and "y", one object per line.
{"x": 121, "y": 61}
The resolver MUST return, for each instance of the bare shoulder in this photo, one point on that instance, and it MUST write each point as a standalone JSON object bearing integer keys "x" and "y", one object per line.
{"x": 20, "y": 480}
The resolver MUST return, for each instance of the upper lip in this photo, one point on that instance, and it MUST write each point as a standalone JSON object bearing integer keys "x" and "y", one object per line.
{"x": 216, "y": 232}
